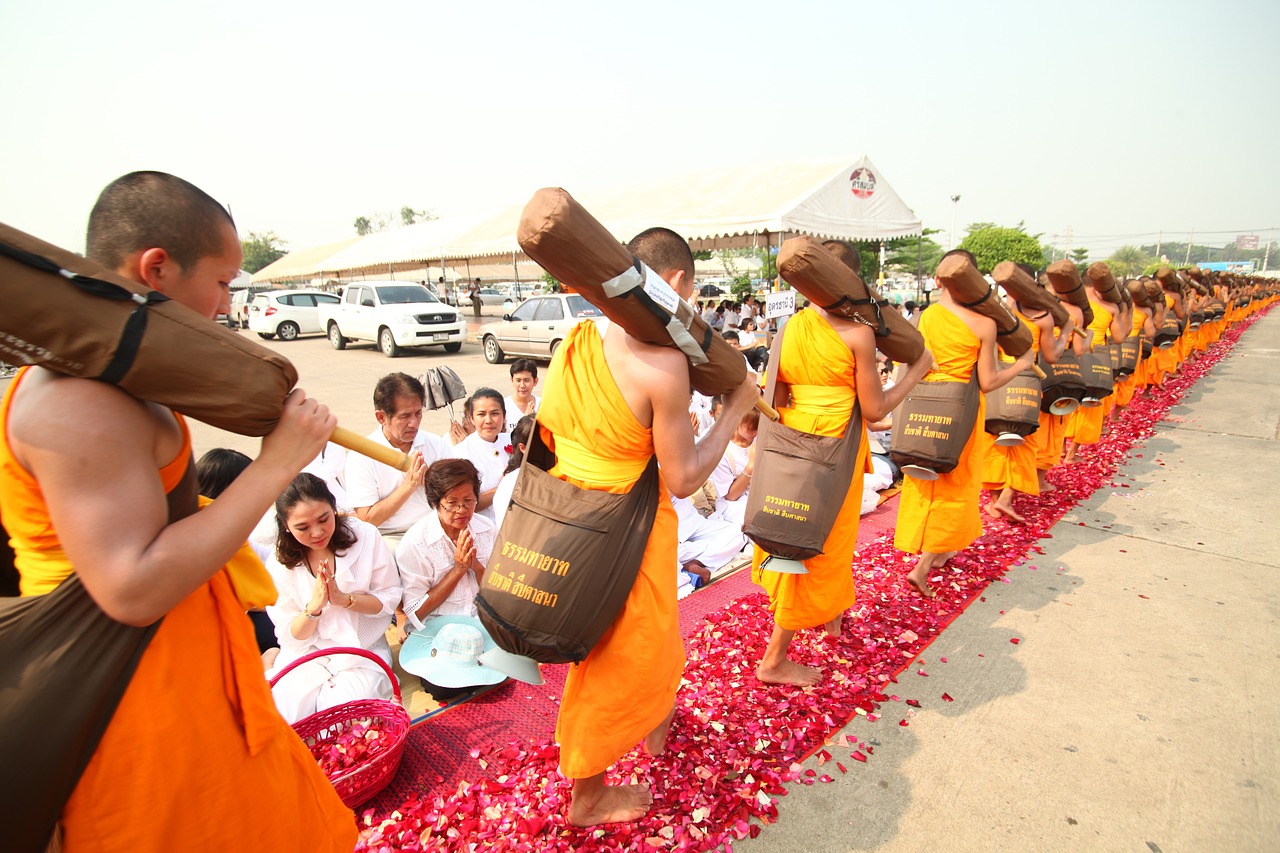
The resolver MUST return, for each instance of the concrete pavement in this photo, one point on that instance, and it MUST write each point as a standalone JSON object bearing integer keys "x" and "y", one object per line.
{"x": 1139, "y": 710}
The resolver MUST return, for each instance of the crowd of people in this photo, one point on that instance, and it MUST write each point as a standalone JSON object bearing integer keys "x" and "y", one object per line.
{"x": 324, "y": 548}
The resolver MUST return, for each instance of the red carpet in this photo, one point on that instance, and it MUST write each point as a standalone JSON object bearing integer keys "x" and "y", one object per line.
{"x": 734, "y": 741}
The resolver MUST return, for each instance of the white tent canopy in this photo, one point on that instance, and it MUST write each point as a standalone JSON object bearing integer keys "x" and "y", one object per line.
{"x": 743, "y": 207}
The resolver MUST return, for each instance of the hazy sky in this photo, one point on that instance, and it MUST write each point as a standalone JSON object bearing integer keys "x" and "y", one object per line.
{"x": 1116, "y": 119}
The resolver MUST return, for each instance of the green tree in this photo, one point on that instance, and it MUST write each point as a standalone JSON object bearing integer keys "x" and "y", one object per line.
{"x": 914, "y": 253}
{"x": 261, "y": 249}
{"x": 553, "y": 284}
{"x": 409, "y": 216}
{"x": 1080, "y": 255}
{"x": 1128, "y": 261}
{"x": 363, "y": 225}
{"x": 992, "y": 244}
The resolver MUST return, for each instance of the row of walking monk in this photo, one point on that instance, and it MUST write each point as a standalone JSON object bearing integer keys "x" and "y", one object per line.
{"x": 196, "y": 755}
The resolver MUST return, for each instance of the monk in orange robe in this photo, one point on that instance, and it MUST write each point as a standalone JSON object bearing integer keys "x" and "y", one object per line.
{"x": 828, "y": 363}
{"x": 195, "y": 756}
{"x": 1085, "y": 426}
{"x": 937, "y": 518}
{"x": 1006, "y": 470}
{"x": 611, "y": 403}
{"x": 1053, "y": 428}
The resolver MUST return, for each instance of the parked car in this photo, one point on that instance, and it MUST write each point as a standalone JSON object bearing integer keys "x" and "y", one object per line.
{"x": 288, "y": 313}
{"x": 537, "y": 327}
{"x": 394, "y": 315}
{"x": 240, "y": 301}
{"x": 488, "y": 296}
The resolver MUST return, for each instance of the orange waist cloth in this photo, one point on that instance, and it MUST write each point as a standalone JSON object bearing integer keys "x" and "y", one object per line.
{"x": 821, "y": 371}
{"x": 628, "y": 683}
{"x": 942, "y": 515}
{"x": 196, "y": 756}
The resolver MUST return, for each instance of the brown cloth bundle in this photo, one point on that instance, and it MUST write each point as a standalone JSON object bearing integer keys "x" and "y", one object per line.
{"x": 571, "y": 244}
{"x": 1102, "y": 280}
{"x": 1154, "y": 293}
{"x": 1064, "y": 278}
{"x": 1138, "y": 293}
{"x": 75, "y": 317}
{"x": 1170, "y": 280}
{"x": 971, "y": 290}
{"x": 826, "y": 282}
{"x": 1028, "y": 293}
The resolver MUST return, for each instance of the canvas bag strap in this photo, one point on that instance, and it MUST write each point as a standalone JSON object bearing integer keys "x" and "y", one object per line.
{"x": 770, "y": 389}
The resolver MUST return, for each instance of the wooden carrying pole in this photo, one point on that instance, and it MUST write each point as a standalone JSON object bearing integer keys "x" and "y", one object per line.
{"x": 567, "y": 241}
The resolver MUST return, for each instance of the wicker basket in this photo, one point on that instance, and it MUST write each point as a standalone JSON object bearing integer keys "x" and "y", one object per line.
{"x": 356, "y": 785}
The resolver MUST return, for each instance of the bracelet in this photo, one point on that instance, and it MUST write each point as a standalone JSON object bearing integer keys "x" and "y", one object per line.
{"x": 306, "y": 611}
{"x": 351, "y": 601}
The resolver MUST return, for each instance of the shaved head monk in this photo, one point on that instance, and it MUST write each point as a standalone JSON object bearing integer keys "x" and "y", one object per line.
{"x": 196, "y": 756}
{"x": 828, "y": 364}
{"x": 937, "y": 518}
{"x": 611, "y": 403}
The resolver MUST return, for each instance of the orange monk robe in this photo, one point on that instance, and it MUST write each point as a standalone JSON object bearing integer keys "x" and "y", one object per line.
{"x": 1086, "y": 421}
{"x": 628, "y": 683}
{"x": 1141, "y": 373}
{"x": 942, "y": 515}
{"x": 818, "y": 366}
{"x": 196, "y": 756}
{"x": 1052, "y": 432}
{"x": 1013, "y": 467}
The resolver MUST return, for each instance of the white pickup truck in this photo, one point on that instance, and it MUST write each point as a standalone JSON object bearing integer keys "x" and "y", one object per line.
{"x": 393, "y": 315}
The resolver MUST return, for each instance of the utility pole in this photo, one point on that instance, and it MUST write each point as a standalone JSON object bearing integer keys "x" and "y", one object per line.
{"x": 1266, "y": 256}
{"x": 1067, "y": 253}
{"x": 951, "y": 238}
{"x": 1191, "y": 238}
{"x": 1159, "y": 242}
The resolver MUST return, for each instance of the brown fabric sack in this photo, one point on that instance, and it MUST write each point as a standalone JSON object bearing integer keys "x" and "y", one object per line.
{"x": 1169, "y": 332}
{"x": 800, "y": 479}
{"x": 564, "y": 560}
{"x": 1064, "y": 381}
{"x": 1064, "y": 278}
{"x": 1095, "y": 367}
{"x": 1130, "y": 352}
{"x": 1114, "y": 352}
{"x": 934, "y": 423}
{"x": 1028, "y": 293}
{"x": 972, "y": 291}
{"x": 64, "y": 666}
{"x": 567, "y": 241}
{"x": 75, "y": 317}
{"x": 1015, "y": 408}
{"x": 826, "y": 282}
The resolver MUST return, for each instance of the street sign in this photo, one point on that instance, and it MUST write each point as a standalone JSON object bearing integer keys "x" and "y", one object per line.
{"x": 780, "y": 304}
{"x": 1247, "y": 241}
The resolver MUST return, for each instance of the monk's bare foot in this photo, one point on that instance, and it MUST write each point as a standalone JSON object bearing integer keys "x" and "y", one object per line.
{"x": 992, "y": 510}
{"x": 788, "y": 671}
{"x": 920, "y": 585}
{"x": 1046, "y": 486}
{"x": 943, "y": 559}
{"x": 610, "y": 804}
{"x": 656, "y": 740}
{"x": 1010, "y": 513}
{"x": 833, "y": 627}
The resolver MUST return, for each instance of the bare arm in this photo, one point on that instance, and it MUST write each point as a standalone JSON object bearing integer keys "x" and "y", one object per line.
{"x": 100, "y": 482}
{"x": 991, "y": 376}
{"x": 877, "y": 403}
{"x": 1052, "y": 347}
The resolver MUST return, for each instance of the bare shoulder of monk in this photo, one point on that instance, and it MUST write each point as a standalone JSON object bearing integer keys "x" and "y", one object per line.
{"x": 642, "y": 370}
{"x": 46, "y": 398}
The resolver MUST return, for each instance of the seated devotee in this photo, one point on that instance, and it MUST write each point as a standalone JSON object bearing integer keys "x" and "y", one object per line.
{"x": 732, "y": 477}
{"x": 489, "y": 447}
{"x": 443, "y": 557}
{"x": 216, "y": 470}
{"x": 519, "y": 443}
{"x": 522, "y": 400}
{"x": 704, "y": 544}
{"x": 338, "y": 586}
{"x": 383, "y": 496}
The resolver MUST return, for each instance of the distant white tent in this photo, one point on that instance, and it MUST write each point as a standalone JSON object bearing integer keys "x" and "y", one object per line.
{"x": 728, "y": 208}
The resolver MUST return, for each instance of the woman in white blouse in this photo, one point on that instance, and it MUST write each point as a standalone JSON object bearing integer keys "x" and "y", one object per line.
{"x": 337, "y": 586}
{"x": 442, "y": 557}
{"x": 489, "y": 447}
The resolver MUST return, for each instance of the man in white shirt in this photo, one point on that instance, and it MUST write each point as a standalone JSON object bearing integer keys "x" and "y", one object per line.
{"x": 524, "y": 378}
{"x": 386, "y": 498}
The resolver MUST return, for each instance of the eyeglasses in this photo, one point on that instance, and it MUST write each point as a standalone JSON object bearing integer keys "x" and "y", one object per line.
{"x": 459, "y": 506}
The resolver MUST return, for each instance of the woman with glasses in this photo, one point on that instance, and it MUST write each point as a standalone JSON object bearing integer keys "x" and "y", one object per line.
{"x": 442, "y": 557}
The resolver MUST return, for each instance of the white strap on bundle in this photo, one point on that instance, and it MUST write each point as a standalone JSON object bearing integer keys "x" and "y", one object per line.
{"x": 662, "y": 294}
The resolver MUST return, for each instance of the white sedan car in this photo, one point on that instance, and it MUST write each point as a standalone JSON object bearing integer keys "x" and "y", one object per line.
{"x": 288, "y": 313}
